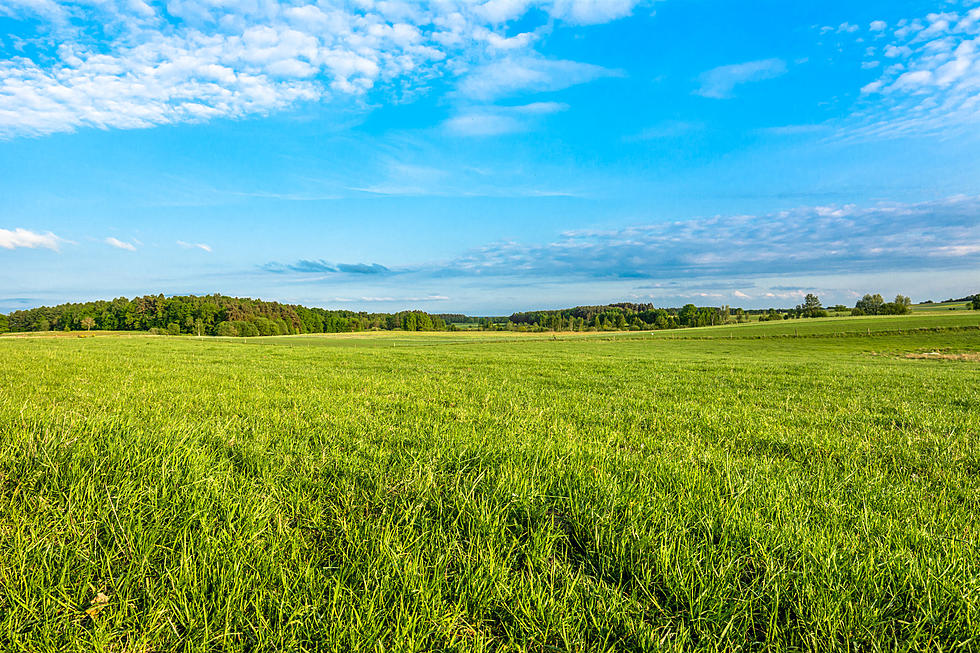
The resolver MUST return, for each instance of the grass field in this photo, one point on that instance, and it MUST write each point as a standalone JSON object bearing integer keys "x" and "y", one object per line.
{"x": 945, "y": 306}
{"x": 799, "y": 485}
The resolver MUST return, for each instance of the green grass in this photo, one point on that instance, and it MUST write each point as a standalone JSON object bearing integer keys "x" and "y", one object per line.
{"x": 945, "y": 306}
{"x": 731, "y": 489}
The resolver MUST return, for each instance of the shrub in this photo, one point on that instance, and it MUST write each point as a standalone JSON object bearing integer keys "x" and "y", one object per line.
{"x": 226, "y": 329}
{"x": 245, "y": 329}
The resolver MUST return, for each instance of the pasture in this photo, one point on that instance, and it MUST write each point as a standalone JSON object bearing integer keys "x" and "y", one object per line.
{"x": 802, "y": 485}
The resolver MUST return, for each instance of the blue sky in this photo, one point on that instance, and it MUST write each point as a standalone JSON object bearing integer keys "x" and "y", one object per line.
{"x": 487, "y": 156}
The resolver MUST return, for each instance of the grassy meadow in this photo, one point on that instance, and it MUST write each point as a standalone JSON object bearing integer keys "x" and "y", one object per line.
{"x": 806, "y": 485}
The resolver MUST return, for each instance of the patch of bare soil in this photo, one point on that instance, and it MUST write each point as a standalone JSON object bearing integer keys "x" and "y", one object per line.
{"x": 936, "y": 355}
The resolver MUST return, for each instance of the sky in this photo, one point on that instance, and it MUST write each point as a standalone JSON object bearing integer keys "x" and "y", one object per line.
{"x": 489, "y": 156}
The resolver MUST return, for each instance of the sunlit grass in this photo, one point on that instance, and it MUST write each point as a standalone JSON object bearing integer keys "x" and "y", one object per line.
{"x": 493, "y": 491}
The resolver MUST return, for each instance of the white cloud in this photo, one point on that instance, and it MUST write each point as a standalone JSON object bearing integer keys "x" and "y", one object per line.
{"x": 878, "y": 25}
{"x": 12, "y": 238}
{"x": 128, "y": 64}
{"x": 590, "y": 12}
{"x": 497, "y": 120}
{"x": 483, "y": 124}
{"x": 809, "y": 240}
{"x": 121, "y": 244}
{"x": 720, "y": 83}
{"x": 934, "y": 85}
{"x": 518, "y": 74}
{"x": 898, "y": 51}
{"x": 202, "y": 246}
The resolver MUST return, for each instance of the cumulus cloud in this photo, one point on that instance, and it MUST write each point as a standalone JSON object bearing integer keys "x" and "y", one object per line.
{"x": 590, "y": 12}
{"x": 130, "y": 64}
{"x": 719, "y": 83}
{"x": 121, "y": 244}
{"x": 13, "y": 238}
{"x": 201, "y": 246}
{"x": 933, "y": 84}
{"x": 581, "y": 12}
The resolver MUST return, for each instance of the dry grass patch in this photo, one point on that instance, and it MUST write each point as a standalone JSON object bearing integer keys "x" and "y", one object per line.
{"x": 937, "y": 355}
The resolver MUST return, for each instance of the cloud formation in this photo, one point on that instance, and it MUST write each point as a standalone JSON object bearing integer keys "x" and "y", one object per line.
{"x": 719, "y": 83}
{"x": 121, "y": 244}
{"x": 497, "y": 120}
{"x": 807, "y": 241}
{"x": 812, "y": 240}
{"x": 132, "y": 64}
{"x": 518, "y": 74}
{"x": 320, "y": 266}
{"x": 202, "y": 246}
{"x": 929, "y": 79}
{"x": 13, "y": 238}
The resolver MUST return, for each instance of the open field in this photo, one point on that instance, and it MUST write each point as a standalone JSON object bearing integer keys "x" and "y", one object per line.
{"x": 703, "y": 489}
{"x": 834, "y": 326}
{"x": 946, "y": 306}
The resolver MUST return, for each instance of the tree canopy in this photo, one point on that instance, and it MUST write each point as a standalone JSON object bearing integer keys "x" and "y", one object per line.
{"x": 211, "y": 315}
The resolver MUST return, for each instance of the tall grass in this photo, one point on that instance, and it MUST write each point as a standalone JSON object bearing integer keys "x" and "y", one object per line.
{"x": 477, "y": 493}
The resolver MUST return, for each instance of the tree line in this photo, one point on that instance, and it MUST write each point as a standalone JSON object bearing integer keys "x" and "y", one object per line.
{"x": 646, "y": 317}
{"x": 210, "y": 315}
{"x": 220, "y": 315}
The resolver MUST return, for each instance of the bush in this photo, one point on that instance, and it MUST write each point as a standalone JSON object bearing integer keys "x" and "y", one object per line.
{"x": 226, "y": 329}
{"x": 173, "y": 329}
{"x": 857, "y": 312}
{"x": 267, "y": 327}
{"x": 894, "y": 308}
{"x": 245, "y": 329}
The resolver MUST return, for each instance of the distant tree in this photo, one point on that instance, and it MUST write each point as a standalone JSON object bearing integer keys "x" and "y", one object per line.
{"x": 688, "y": 315}
{"x": 903, "y": 300}
{"x": 4, "y": 323}
{"x": 870, "y": 304}
{"x": 811, "y": 307}
{"x": 976, "y": 302}
{"x": 88, "y": 322}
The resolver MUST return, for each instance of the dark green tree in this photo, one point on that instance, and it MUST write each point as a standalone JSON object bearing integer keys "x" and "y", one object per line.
{"x": 870, "y": 304}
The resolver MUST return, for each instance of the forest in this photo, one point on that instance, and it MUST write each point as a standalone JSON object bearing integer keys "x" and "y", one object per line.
{"x": 211, "y": 315}
{"x": 219, "y": 315}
